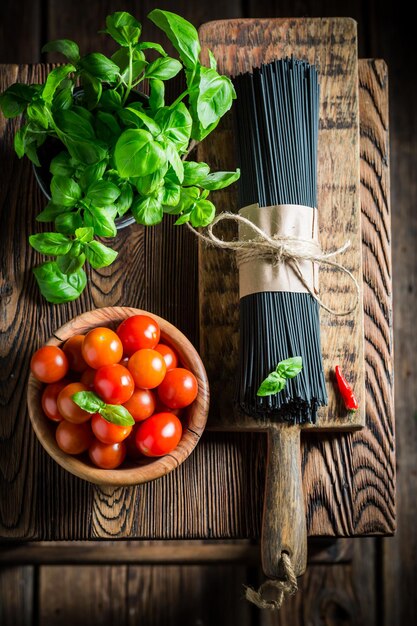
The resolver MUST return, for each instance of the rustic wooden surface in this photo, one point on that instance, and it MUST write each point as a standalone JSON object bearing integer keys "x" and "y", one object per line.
{"x": 150, "y": 468}
{"x": 207, "y": 480}
{"x": 330, "y": 44}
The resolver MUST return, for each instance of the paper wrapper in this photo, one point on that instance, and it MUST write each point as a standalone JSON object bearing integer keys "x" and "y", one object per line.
{"x": 287, "y": 220}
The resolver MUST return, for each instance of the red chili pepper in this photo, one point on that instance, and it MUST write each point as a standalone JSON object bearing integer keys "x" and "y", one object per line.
{"x": 346, "y": 390}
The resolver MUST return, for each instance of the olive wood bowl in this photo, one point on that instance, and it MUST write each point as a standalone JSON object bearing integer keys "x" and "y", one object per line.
{"x": 149, "y": 468}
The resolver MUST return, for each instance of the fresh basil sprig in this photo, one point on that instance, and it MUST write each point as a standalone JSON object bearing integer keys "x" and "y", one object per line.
{"x": 276, "y": 380}
{"x": 120, "y": 151}
{"x": 114, "y": 413}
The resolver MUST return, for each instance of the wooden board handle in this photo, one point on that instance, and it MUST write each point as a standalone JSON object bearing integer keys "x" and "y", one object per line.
{"x": 284, "y": 526}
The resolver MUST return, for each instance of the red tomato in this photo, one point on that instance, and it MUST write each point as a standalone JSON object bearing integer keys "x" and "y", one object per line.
{"x": 130, "y": 443}
{"x": 49, "y": 400}
{"x": 163, "y": 408}
{"x": 114, "y": 383}
{"x": 49, "y": 364}
{"x": 159, "y": 434}
{"x": 107, "y": 432}
{"x": 178, "y": 389}
{"x": 101, "y": 346}
{"x": 107, "y": 456}
{"x": 88, "y": 377}
{"x": 137, "y": 332}
{"x": 73, "y": 438}
{"x": 72, "y": 348}
{"x": 169, "y": 354}
{"x": 67, "y": 407}
{"x": 147, "y": 368}
{"x": 141, "y": 405}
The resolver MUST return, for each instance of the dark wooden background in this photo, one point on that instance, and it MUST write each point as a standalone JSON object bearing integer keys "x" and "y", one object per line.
{"x": 370, "y": 581}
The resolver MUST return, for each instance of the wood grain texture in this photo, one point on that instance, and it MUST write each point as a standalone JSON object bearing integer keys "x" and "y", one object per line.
{"x": 20, "y": 31}
{"x": 17, "y": 595}
{"x": 331, "y": 45}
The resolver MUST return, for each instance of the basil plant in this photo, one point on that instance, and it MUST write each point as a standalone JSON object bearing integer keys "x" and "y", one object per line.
{"x": 120, "y": 152}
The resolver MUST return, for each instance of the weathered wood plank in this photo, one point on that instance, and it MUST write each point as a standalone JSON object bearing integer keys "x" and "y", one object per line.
{"x": 16, "y": 595}
{"x": 331, "y": 45}
{"x": 20, "y": 31}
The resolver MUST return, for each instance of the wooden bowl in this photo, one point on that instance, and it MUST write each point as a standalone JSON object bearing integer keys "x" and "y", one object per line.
{"x": 150, "y": 468}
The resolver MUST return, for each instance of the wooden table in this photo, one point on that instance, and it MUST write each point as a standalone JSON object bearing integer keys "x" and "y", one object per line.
{"x": 349, "y": 479}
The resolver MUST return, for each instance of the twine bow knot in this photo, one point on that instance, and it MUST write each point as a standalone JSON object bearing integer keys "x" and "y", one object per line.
{"x": 280, "y": 249}
{"x": 287, "y": 585}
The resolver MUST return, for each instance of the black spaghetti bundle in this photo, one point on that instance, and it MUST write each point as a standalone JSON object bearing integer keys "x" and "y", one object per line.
{"x": 277, "y": 116}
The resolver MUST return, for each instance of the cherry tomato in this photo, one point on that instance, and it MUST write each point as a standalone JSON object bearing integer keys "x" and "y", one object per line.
{"x": 73, "y": 438}
{"x": 178, "y": 389}
{"x": 114, "y": 383}
{"x": 49, "y": 400}
{"x": 137, "y": 332}
{"x": 169, "y": 354}
{"x": 131, "y": 448}
{"x": 49, "y": 364}
{"x": 107, "y": 456}
{"x": 159, "y": 434}
{"x": 101, "y": 346}
{"x": 72, "y": 348}
{"x": 147, "y": 368}
{"x": 107, "y": 432}
{"x": 67, "y": 407}
{"x": 163, "y": 408}
{"x": 88, "y": 377}
{"x": 141, "y": 405}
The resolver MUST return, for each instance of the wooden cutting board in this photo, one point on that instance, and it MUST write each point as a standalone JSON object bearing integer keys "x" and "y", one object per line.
{"x": 330, "y": 44}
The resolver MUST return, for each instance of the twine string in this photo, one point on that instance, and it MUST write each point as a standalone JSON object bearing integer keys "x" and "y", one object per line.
{"x": 287, "y": 585}
{"x": 280, "y": 249}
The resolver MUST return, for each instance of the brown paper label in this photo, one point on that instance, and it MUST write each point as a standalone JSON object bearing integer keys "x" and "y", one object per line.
{"x": 286, "y": 220}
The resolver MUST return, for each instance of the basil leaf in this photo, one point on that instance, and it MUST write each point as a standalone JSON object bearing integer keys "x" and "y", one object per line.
{"x": 107, "y": 127}
{"x": 163, "y": 68}
{"x": 61, "y": 165}
{"x": 203, "y": 213}
{"x": 68, "y": 223}
{"x": 219, "y": 180}
{"x": 92, "y": 89}
{"x": 54, "y": 79}
{"x": 212, "y": 60}
{"x": 175, "y": 161}
{"x": 50, "y": 243}
{"x": 290, "y": 367}
{"x": 74, "y": 124}
{"x": 125, "y": 200}
{"x": 50, "y": 212}
{"x": 85, "y": 234}
{"x": 215, "y": 96}
{"x": 123, "y": 27}
{"x": 37, "y": 112}
{"x": 100, "y": 66}
{"x": 102, "y": 193}
{"x": 68, "y": 264}
{"x": 63, "y": 97}
{"x": 147, "y": 185}
{"x": 117, "y": 414}
{"x": 141, "y": 119}
{"x": 171, "y": 194}
{"x": 176, "y": 124}
{"x": 147, "y": 211}
{"x": 273, "y": 383}
{"x": 88, "y": 401}
{"x": 157, "y": 97}
{"x": 91, "y": 174}
{"x": 149, "y": 45}
{"x": 182, "y": 35}
{"x": 66, "y": 47}
{"x": 57, "y": 287}
{"x": 137, "y": 154}
{"x": 14, "y": 100}
{"x": 110, "y": 100}
{"x": 188, "y": 199}
{"x": 65, "y": 191}
{"x": 194, "y": 172}
{"x": 99, "y": 255}
{"x": 101, "y": 220}
{"x": 183, "y": 219}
